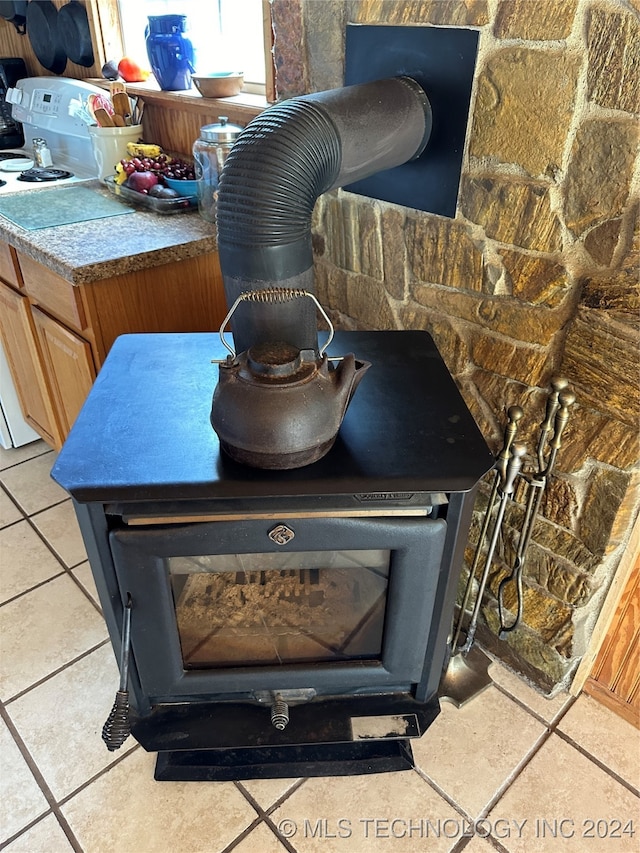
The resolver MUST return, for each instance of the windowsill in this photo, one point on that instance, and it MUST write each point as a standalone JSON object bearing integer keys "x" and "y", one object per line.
{"x": 240, "y": 108}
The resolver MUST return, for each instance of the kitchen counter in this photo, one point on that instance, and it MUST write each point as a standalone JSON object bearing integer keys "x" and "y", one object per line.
{"x": 98, "y": 249}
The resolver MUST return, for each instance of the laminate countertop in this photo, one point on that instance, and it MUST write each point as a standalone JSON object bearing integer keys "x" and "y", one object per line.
{"x": 97, "y": 249}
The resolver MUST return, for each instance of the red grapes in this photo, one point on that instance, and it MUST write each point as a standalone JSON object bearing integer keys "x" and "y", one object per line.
{"x": 162, "y": 165}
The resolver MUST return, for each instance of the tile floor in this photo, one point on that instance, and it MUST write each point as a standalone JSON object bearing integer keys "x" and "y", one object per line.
{"x": 530, "y": 774}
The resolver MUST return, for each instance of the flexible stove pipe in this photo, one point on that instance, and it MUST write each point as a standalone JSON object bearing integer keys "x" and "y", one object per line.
{"x": 279, "y": 165}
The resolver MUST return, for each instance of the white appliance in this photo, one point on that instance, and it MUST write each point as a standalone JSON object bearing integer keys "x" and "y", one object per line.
{"x": 45, "y": 106}
{"x": 14, "y": 431}
{"x": 42, "y": 105}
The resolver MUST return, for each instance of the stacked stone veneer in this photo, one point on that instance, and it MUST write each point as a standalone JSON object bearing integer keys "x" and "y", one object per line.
{"x": 537, "y": 274}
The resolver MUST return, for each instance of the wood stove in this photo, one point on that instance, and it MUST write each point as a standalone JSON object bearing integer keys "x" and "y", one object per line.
{"x": 276, "y": 623}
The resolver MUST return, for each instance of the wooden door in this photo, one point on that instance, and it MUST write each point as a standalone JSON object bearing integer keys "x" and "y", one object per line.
{"x": 25, "y": 362}
{"x": 615, "y": 677}
{"x": 69, "y": 366}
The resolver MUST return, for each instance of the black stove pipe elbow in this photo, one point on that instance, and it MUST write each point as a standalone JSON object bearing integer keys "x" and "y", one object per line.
{"x": 283, "y": 160}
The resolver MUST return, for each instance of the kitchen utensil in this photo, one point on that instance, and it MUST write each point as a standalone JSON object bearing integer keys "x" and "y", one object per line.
{"x": 110, "y": 145}
{"x": 95, "y": 102}
{"x": 122, "y": 106}
{"x": 15, "y": 11}
{"x": 75, "y": 34}
{"x": 223, "y": 84}
{"x": 103, "y": 118}
{"x": 118, "y": 120}
{"x": 115, "y": 87}
{"x": 58, "y": 205}
{"x": 42, "y": 29}
{"x": 187, "y": 189}
{"x": 300, "y": 398}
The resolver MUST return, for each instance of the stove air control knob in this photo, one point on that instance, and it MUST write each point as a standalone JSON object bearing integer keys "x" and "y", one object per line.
{"x": 279, "y": 714}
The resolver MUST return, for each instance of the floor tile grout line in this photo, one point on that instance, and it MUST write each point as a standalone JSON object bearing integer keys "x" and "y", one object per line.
{"x": 26, "y": 828}
{"x": 50, "y": 675}
{"x": 33, "y": 588}
{"x": 262, "y": 811}
{"x": 598, "y": 762}
{"x": 284, "y": 797}
{"x": 442, "y": 793}
{"x": 284, "y": 841}
{"x": 40, "y": 780}
{"x": 553, "y": 727}
{"x": 516, "y": 773}
{"x": 241, "y": 836}
{"x": 67, "y": 797}
{"x": 28, "y": 459}
{"x": 530, "y": 711}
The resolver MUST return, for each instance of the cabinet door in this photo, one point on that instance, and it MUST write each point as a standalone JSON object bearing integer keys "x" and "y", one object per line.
{"x": 69, "y": 365}
{"x": 25, "y": 362}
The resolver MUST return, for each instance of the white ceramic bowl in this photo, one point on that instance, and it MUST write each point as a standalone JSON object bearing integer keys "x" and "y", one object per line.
{"x": 220, "y": 84}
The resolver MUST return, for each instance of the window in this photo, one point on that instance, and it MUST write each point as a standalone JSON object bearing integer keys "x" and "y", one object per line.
{"x": 227, "y": 35}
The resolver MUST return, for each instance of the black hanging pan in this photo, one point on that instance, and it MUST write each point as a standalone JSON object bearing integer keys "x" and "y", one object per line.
{"x": 15, "y": 11}
{"x": 42, "y": 29}
{"x": 75, "y": 34}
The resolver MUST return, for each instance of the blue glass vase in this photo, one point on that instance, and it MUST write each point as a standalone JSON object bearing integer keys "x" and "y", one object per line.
{"x": 170, "y": 52}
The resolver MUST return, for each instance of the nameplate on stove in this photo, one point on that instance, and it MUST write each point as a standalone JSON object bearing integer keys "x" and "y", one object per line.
{"x": 386, "y": 727}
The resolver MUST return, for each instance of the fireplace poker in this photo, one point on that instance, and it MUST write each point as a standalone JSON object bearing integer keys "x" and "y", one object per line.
{"x": 514, "y": 415}
{"x": 504, "y": 491}
{"x": 117, "y": 727}
{"x": 559, "y": 403}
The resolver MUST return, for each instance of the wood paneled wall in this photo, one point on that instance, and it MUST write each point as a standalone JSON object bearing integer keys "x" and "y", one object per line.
{"x": 105, "y": 37}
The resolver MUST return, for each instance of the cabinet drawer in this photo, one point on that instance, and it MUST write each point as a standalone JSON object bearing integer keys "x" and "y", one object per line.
{"x": 9, "y": 269}
{"x": 53, "y": 293}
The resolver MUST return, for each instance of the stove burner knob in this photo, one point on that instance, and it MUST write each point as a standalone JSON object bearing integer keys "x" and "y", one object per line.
{"x": 279, "y": 714}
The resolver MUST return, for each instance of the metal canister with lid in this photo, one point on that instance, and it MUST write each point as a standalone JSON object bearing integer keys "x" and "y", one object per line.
{"x": 209, "y": 154}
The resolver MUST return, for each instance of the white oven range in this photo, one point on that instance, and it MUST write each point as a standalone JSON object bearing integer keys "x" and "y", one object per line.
{"x": 42, "y": 105}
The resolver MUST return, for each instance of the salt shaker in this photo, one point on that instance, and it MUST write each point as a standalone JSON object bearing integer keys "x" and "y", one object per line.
{"x": 41, "y": 153}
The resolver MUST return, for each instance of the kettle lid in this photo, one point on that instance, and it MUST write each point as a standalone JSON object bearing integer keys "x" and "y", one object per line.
{"x": 222, "y": 132}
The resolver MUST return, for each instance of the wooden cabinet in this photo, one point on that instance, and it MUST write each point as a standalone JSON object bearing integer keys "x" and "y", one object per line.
{"x": 57, "y": 335}
{"x": 69, "y": 365}
{"x": 25, "y": 362}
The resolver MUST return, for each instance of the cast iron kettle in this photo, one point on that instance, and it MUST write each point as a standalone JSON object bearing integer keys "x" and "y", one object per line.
{"x": 278, "y": 407}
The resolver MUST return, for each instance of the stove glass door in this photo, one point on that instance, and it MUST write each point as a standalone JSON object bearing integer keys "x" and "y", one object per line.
{"x": 232, "y": 606}
{"x": 274, "y": 609}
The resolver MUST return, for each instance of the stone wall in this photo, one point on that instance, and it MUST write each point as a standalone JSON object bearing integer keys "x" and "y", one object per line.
{"x": 537, "y": 274}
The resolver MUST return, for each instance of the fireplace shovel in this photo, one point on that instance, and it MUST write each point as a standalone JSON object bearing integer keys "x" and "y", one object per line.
{"x": 466, "y": 673}
{"x": 117, "y": 727}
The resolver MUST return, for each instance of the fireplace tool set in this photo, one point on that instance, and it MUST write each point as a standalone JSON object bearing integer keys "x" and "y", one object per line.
{"x": 466, "y": 674}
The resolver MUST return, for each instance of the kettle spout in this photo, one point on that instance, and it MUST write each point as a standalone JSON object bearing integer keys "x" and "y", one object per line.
{"x": 348, "y": 375}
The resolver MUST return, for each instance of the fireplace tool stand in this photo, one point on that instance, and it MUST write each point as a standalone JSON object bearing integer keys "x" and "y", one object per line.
{"x": 467, "y": 672}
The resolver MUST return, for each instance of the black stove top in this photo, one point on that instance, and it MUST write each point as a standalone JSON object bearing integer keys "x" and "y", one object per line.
{"x": 40, "y": 175}
{"x": 407, "y": 428}
{"x": 12, "y": 155}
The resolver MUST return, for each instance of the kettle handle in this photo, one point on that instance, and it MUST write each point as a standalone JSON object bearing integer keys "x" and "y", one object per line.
{"x": 274, "y": 295}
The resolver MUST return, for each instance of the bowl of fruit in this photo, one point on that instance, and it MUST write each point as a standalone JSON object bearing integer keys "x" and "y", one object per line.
{"x": 186, "y": 187}
{"x": 154, "y": 179}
